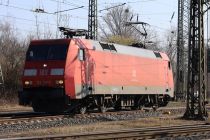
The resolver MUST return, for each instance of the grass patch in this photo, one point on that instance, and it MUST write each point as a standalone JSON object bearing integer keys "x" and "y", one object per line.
{"x": 176, "y": 104}
{"x": 9, "y": 102}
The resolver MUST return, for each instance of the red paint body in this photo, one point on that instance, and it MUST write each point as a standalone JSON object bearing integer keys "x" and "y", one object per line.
{"x": 108, "y": 70}
{"x": 103, "y": 72}
{"x": 43, "y": 77}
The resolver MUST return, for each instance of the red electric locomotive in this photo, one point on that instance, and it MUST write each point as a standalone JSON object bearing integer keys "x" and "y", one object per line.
{"x": 80, "y": 74}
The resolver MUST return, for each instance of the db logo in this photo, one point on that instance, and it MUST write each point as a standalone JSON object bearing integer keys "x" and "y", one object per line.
{"x": 43, "y": 72}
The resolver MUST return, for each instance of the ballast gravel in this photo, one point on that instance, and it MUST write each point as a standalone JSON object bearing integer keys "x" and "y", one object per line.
{"x": 70, "y": 121}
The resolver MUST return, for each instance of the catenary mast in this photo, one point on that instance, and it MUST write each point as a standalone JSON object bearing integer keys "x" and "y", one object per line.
{"x": 182, "y": 42}
{"x": 196, "y": 87}
{"x": 92, "y": 20}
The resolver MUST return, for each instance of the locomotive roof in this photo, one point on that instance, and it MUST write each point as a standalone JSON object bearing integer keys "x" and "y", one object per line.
{"x": 115, "y": 48}
{"x": 54, "y": 41}
{"x": 129, "y": 50}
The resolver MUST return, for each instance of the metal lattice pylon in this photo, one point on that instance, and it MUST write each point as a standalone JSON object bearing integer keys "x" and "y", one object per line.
{"x": 92, "y": 20}
{"x": 196, "y": 88}
{"x": 182, "y": 42}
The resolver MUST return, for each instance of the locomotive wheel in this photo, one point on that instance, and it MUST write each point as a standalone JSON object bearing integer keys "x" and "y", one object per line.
{"x": 165, "y": 102}
{"x": 134, "y": 108}
{"x": 117, "y": 108}
{"x": 140, "y": 107}
{"x": 155, "y": 107}
{"x": 83, "y": 110}
{"x": 117, "y": 105}
{"x": 103, "y": 109}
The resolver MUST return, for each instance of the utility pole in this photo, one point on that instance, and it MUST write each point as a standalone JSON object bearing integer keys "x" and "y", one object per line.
{"x": 196, "y": 87}
{"x": 92, "y": 20}
{"x": 182, "y": 38}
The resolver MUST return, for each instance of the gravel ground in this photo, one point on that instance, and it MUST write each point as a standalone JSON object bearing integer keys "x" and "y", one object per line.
{"x": 103, "y": 122}
{"x": 70, "y": 125}
{"x": 14, "y": 108}
{"x": 203, "y": 137}
{"x": 70, "y": 121}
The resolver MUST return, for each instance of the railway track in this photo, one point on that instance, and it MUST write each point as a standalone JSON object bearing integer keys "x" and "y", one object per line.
{"x": 201, "y": 131}
{"x": 48, "y": 120}
{"x": 25, "y": 114}
{"x": 33, "y": 117}
{"x": 21, "y": 124}
{"x": 21, "y": 114}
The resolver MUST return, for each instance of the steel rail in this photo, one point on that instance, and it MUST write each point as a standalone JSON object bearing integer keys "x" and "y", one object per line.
{"x": 140, "y": 133}
{"x": 27, "y": 118}
{"x": 29, "y": 114}
{"x": 25, "y": 115}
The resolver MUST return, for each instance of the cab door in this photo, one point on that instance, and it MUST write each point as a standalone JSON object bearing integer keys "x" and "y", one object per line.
{"x": 166, "y": 69}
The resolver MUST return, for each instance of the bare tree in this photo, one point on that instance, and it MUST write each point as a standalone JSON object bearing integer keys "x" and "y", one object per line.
{"x": 171, "y": 47}
{"x": 152, "y": 41}
{"x": 113, "y": 29}
{"x": 12, "y": 54}
{"x": 115, "y": 21}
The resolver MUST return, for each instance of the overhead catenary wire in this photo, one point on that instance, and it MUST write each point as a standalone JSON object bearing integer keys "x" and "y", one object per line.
{"x": 128, "y": 2}
{"x": 112, "y": 7}
{"x": 24, "y": 19}
{"x": 30, "y": 20}
{"x": 76, "y": 7}
{"x": 135, "y": 1}
{"x": 68, "y": 3}
{"x": 68, "y": 10}
{"x": 16, "y": 7}
{"x": 40, "y": 9}
{"x": 36, "y": 10}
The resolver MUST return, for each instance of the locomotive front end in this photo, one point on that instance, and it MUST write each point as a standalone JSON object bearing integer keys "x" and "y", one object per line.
{"x": 43, "y": 76}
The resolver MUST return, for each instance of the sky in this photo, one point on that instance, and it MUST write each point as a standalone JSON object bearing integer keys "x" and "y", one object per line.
{"x": 20, "y": 13}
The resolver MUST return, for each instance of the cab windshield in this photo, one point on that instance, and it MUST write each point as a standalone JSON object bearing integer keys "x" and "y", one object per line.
{"x": 47, "y": 52}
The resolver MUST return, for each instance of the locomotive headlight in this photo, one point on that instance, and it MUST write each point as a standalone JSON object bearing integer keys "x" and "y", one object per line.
{"x": 28, "y": 83}
{"x": 59, "y": 82}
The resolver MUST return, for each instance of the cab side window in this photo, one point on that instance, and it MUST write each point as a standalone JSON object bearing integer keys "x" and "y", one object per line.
{"x": 169, "y": 65}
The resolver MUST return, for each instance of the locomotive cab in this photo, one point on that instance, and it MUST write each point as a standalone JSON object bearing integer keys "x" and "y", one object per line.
{"x": 43, "y": 76}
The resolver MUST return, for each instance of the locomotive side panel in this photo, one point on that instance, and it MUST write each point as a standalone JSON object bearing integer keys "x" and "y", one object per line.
{"x": 70, "y": 70}
{"x": 105, "y": 72}
{"x": 103, "y": 77}
{"x": 80, "y": 72}
{"x": 122, "y": 74}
